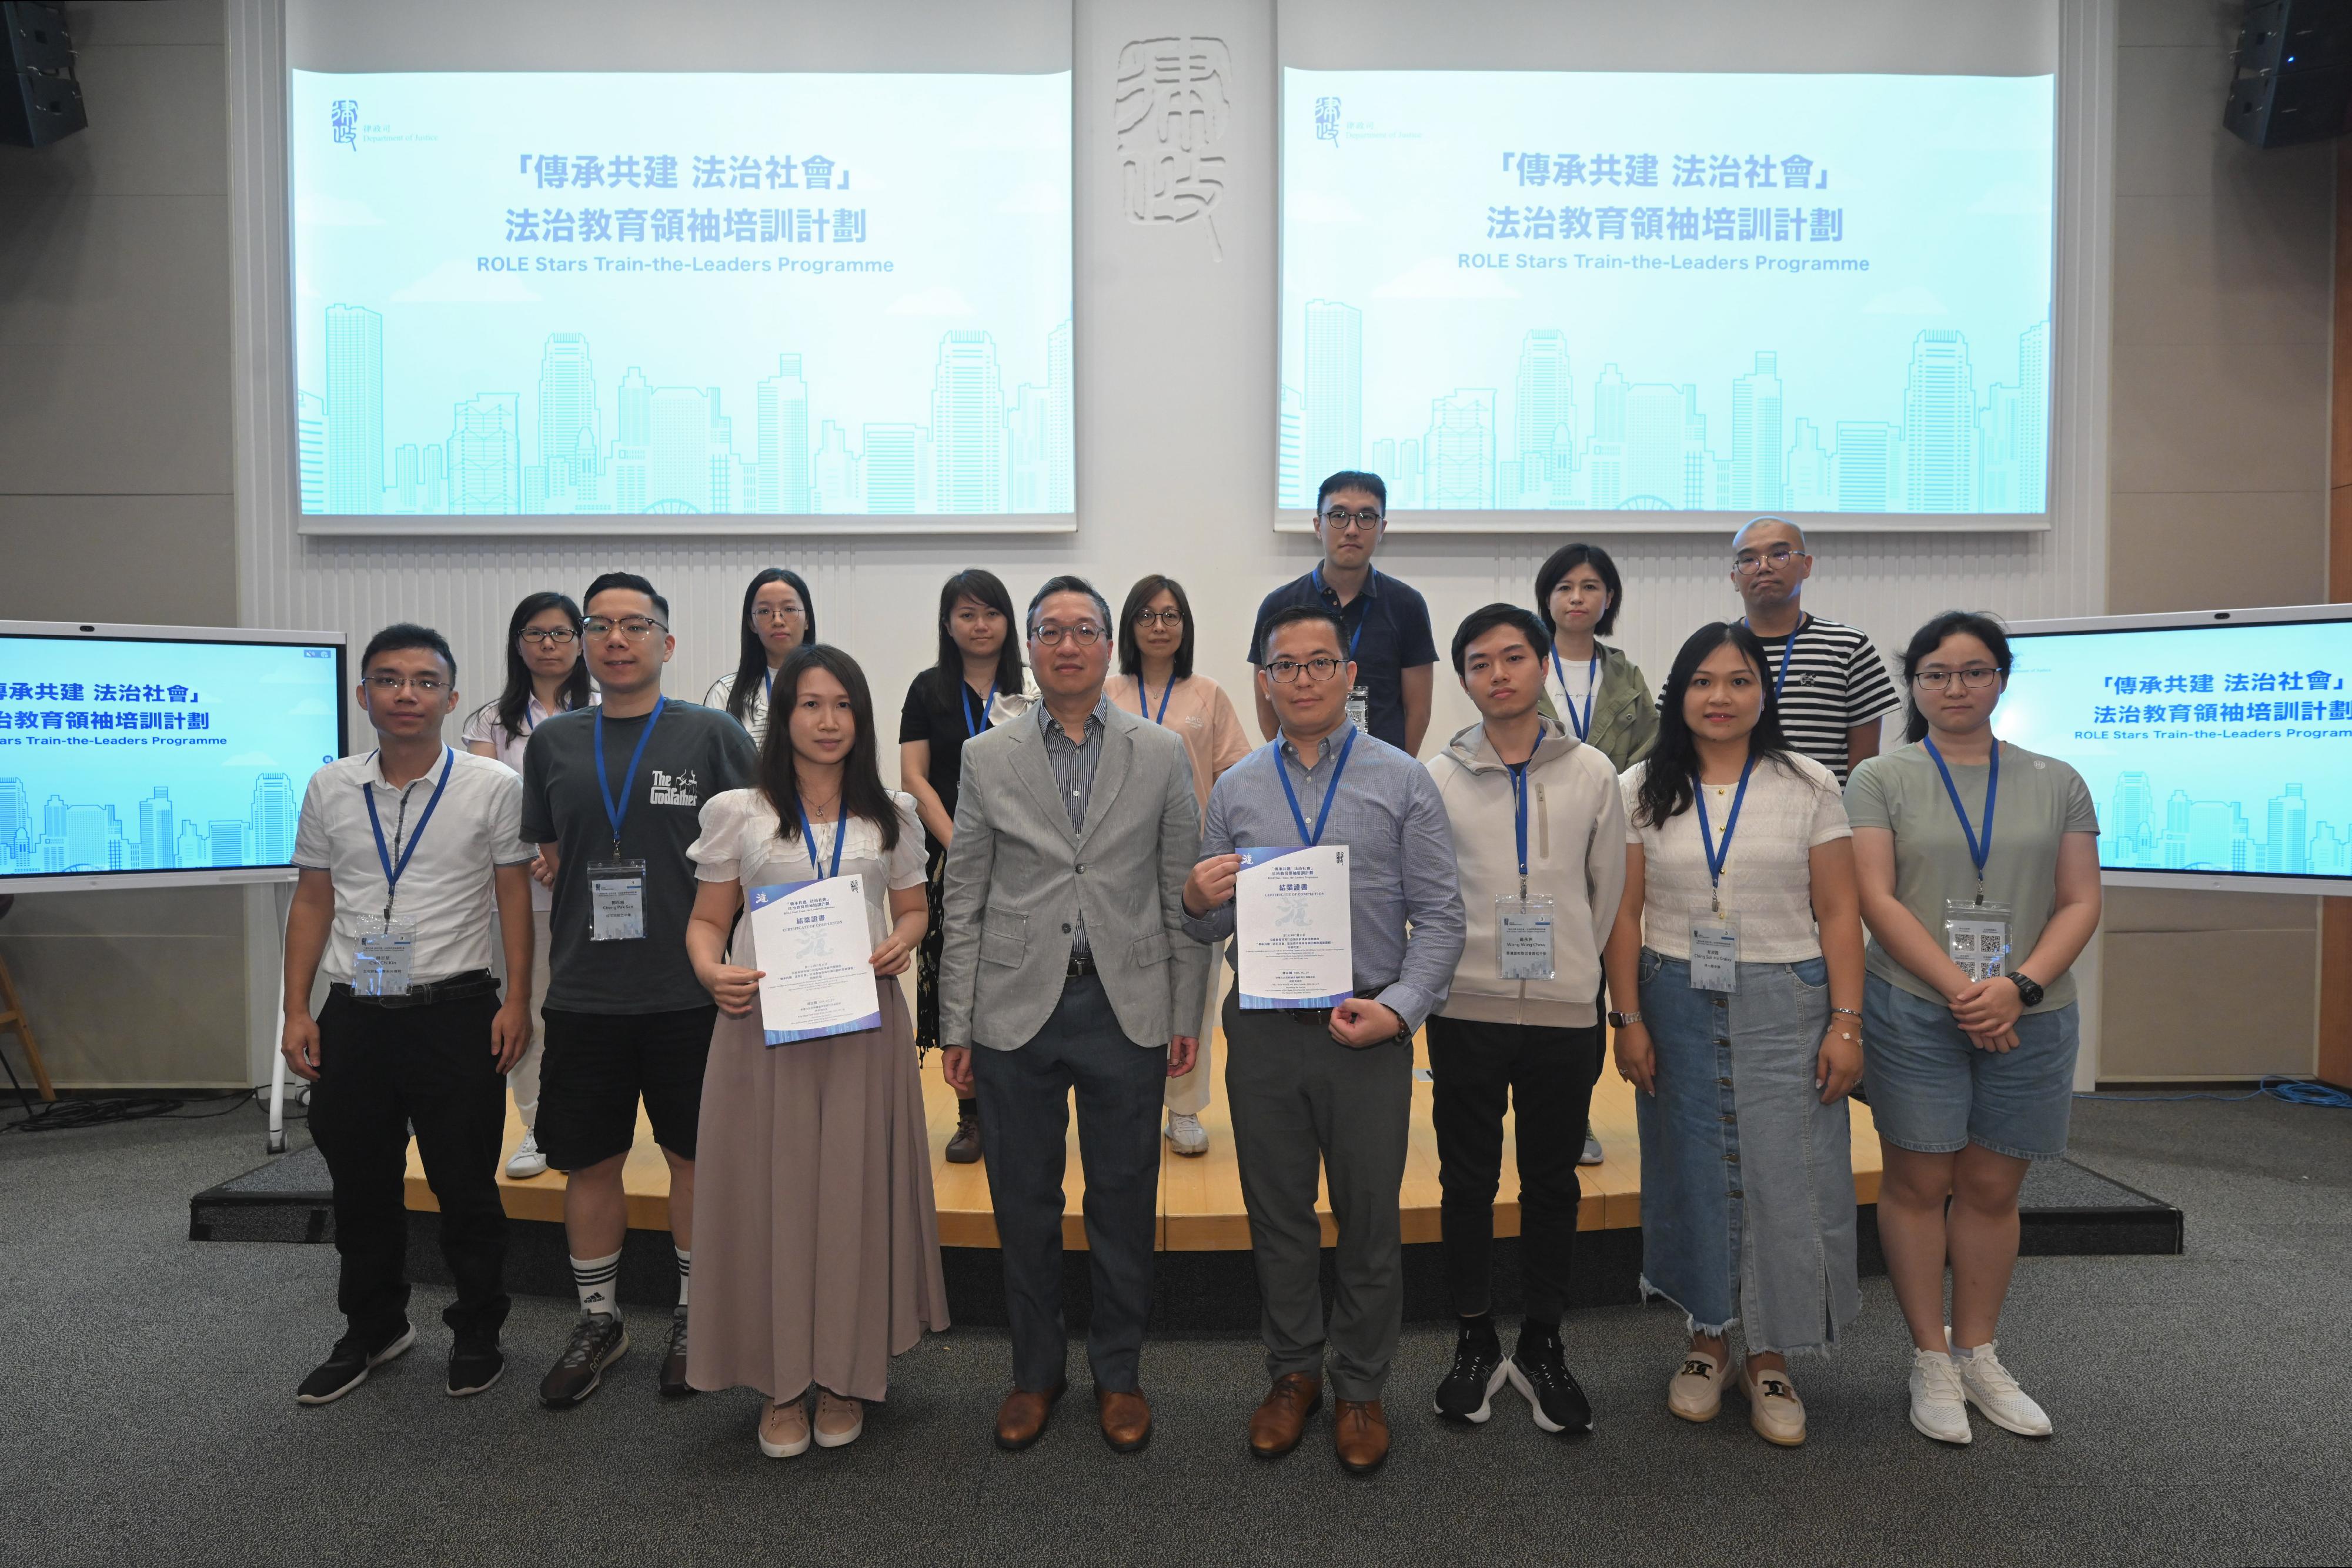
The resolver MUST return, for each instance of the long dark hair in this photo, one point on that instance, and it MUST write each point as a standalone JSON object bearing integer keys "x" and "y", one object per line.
{"x": 985, "y": 587}
{"x": 861, "y": 779}
{"x": 1975, "y": 623}
{"x": 1146, "y": 589}
{"x": 1566, "y": 559}
{"x": 751, "y": 664}
{"x": 1672, "y": 762}
{"x": 513, "y": 706}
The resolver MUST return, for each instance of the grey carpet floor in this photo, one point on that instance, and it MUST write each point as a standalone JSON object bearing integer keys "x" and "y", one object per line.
{"x": 146, "y": 1414}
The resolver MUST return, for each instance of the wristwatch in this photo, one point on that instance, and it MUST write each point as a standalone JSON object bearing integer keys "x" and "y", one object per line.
{"x": 1619, "y": 1020}
{"x": 2028, "y": 991}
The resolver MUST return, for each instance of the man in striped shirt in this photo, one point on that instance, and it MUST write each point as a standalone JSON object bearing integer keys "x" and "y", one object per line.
{"x": 1830, "y": 682}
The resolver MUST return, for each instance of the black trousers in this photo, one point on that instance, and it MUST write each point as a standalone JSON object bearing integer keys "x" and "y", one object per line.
{"x": 382, "y": 1070}
{"x": 1546, "y": 1076}
{"x": 1025, "y": 1097}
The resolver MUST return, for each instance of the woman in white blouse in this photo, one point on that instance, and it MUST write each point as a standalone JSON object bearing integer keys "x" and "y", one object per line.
{"x": 817, "y": 1239}
{"x": 1740, "y": 934}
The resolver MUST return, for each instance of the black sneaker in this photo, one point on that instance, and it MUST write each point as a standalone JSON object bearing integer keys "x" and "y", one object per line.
{"x": 1478, "y": 1370}
{"x": 598, "y": 1340}
{"x": 673, "y": 1385}
{"x": 474, "y": 1365}
{"x": 1539, "y": 1371}
{"x": 347, "y": 1365}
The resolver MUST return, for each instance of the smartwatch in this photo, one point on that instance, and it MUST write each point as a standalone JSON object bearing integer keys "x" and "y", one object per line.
{"x": 2028, "y": 991}
{"x": 1619, "y": 1020}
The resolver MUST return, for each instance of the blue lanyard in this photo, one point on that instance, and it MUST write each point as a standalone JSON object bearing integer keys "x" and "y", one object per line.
{"x": 1591, "y": 689}
{"x": 972, "y": 731}
{"x": 1786, "y": 648}
{"x": 808, "y": 839}
{"x": 1142, "y": 700}
{"x": 1716, "y": 857}
{"x": 391, "y": 873}
{"x": 1331, "y": 791}
{"x": 1371, "y": 578}
{"x": 769, "y": 688}
{"x": 616, "y": 806}
{"x": 1979, "y": 852}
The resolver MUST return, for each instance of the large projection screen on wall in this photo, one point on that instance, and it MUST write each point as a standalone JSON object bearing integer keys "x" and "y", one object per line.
{"x": 1641, "y": 299}
{"x": 641, "y": 302}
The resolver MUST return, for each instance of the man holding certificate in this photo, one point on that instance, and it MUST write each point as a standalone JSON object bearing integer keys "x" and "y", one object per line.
{"x": 1065, "y": 967}
{"x": 1328, "y": 858}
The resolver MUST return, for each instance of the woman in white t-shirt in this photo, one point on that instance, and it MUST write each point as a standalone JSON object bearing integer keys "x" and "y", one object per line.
{"x": 1741, "y": 934}
{"x": 779, "y": 615}
{"x": 816, "y": 1236}
{"x": 545, "y": 675}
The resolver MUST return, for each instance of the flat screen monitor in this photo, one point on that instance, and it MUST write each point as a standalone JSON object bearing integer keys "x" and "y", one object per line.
{"x": 149, "y": 756}
{"x": 2215, "y": 743}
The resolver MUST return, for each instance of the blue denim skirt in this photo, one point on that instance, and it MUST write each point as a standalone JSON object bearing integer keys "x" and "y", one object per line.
{"x": 1748, "y": 1209}
{"x": 1933, "y": 1091}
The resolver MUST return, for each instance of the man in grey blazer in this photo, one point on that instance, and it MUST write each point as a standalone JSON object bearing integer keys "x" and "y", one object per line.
{"x": 1065, "y": 967}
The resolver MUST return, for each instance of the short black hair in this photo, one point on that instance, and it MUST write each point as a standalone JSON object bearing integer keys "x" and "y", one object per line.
{"x": 1566, "y": 559}
{"x": 1479, "y": 623}
{"x": 1066, "y": 583}
{"x": 1352, "y": 479}
{"x": 1291, "y": 615}
{"x": 402, "y": 634}
{"x": 632, "y": 581}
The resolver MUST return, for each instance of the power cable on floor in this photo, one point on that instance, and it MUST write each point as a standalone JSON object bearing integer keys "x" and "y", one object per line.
{"x": 2290, "y": 1090}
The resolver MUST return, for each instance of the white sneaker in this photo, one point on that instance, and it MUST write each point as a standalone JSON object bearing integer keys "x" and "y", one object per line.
{"x": 1938, "y": 1407}
{"x": 1773, "y": 1407}
{"x": 1696, "y": 1393}
{"x": 1989, "y": 1386}
{"x": 1185, "y": 1133}
{"x": 527, "y": 1161}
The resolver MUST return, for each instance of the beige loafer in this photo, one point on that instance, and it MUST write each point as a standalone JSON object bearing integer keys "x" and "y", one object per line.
{"x": 1696, "y": 1393}
{"x": 1773, "y": 1407}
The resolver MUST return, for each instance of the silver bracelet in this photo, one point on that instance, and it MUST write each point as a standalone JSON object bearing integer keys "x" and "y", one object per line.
{"x": 1849, "y": 1012}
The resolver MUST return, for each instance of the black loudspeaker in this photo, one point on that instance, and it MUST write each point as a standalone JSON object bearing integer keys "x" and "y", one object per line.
{"x": 40, "y": 101}
{"x": 2294, "y": 81}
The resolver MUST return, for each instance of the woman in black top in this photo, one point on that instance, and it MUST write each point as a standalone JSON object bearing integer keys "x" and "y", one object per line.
{"x": 979, "y": 661}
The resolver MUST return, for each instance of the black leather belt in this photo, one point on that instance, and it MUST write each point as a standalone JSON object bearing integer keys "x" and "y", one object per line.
{"x": 1080, "y": 963}
{"x": 455, "y": 989}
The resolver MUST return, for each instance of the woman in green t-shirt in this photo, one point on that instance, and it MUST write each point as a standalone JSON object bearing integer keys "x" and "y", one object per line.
{"x": 1978, "y": 863}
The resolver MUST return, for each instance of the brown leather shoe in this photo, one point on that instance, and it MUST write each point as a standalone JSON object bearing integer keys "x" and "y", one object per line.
{"x": 1126, "y": 1419}
{"x": 1281, "y": 1416}
{"x": 963, "y": 1149}
{"x": 1360, "y": 1434}
{"x": 1021, "y": 1419}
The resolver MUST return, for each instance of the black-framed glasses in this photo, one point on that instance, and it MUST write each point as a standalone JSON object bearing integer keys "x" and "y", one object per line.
{"x": 425, "y": 686}
{"x": 551, "y": 636}
{"x": 635, "y": 628}
{"x": 1085, "y": 633}
{"x": 1747, "y": 565}
{"x": 1160, "y": 618}
{"x": 1320, "y": 668}
{"x": 1976, "y": 678}
{"x": 1339, "y": 517}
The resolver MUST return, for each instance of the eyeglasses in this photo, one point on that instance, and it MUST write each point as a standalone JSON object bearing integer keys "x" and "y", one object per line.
{"x": 769, "y": 615}
{"x": 635, "y": 628}
{"x": 426, "y": 686}
{"x": 1321, "y": 667}
{"x": 1345, "y": 521}
{"x": 1085, "y": 633}
{"x": 1747, "y": 565}
{"x": 1160, "y": 618}
{"x": 1975, "y": 677}
{"x": 556, "y": 636}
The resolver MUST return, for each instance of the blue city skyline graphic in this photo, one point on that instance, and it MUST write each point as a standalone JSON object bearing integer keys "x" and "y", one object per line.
{"x": 61, "y": 837}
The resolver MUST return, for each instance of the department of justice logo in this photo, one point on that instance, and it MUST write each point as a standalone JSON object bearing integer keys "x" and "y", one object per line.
{"x": 1327, "y": 120}
{"x": 345, "y": 118}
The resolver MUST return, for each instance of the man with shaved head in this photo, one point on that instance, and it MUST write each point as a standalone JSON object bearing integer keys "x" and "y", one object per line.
{"x": 1829, "y": 681}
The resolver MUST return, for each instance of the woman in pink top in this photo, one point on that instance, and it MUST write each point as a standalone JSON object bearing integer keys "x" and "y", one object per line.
{"x": 1156, "y": 679}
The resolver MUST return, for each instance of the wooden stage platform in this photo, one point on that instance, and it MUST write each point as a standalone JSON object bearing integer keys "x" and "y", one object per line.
{"x": 1201, "y": 1198}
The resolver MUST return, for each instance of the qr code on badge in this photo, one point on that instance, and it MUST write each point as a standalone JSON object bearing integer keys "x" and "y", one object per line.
{"x": 1964, "y": 941}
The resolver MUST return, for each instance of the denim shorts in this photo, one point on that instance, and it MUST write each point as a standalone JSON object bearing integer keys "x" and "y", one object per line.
{"x": 1934, "y": 1092}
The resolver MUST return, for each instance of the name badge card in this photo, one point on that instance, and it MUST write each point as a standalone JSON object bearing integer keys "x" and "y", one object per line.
{"x": 616, "y": 901}
{"x": 1523, "y": 938}
{"x": 380, "y": 966}
{"x": 1715, "y": 954}
{"x": 1977, "y": 936}
{"x": 813, "y": 940}
{"x": 1292, "y": 927}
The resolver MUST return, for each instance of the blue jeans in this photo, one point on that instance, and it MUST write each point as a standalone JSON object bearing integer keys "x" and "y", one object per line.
{"x": 1747, "y": 1210}
{"x": 1934, "y": 1092}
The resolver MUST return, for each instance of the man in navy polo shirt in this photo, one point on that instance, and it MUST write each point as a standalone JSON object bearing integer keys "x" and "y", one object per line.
{"x": 1386, "y": 621}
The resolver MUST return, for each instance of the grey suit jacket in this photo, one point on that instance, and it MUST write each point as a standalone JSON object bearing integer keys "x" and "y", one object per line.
{"x": 1017, "y": 872}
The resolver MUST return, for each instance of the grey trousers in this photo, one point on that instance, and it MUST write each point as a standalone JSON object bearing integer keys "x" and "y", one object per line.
{"x": 1024, "y": 1107}
{"x": 1300, "y": 1099}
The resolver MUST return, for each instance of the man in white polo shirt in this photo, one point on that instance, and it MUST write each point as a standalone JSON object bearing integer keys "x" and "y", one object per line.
{"x": 401, "y": 851}
{"x": 1830, "y": 682}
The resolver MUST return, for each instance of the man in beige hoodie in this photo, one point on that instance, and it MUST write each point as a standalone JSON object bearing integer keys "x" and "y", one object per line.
{"x": 1539, "y": 837}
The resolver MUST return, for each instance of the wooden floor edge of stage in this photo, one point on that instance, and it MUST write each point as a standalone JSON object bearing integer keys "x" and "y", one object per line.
{"x": 1201, "y": 1197}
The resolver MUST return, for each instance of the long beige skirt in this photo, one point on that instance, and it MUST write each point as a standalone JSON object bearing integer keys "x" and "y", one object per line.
{"x": 816, "y": 1239}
